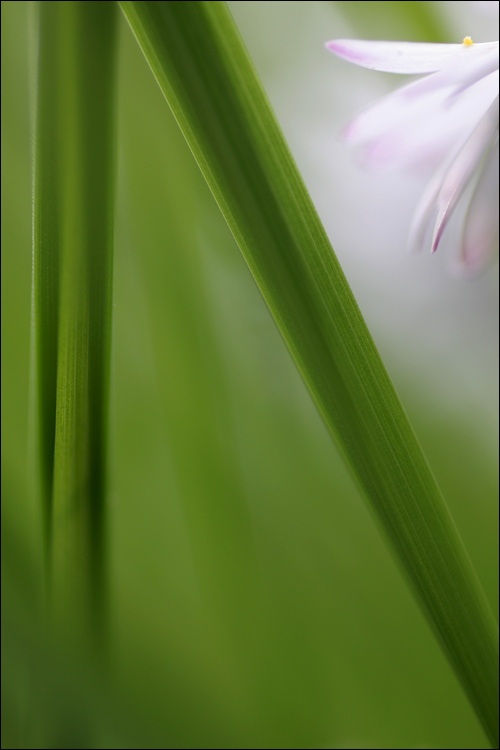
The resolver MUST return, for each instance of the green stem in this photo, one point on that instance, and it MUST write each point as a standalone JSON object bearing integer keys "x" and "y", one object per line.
{"x": 72, "y": 262}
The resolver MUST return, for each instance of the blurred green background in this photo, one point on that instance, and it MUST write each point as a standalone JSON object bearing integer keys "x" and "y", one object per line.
{"x": 253, "y": 602}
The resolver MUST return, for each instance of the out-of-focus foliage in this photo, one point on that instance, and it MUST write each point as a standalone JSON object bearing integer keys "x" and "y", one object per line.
{"x": 394, "y": 20}
{"x": 252, "y": 600}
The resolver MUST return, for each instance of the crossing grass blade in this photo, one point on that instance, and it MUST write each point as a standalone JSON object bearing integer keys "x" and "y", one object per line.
{"x": 200, "y": 63}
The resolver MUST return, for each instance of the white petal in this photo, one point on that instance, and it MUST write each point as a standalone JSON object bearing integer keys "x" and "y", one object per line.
{"x": 425, "y": 211}
{"x": 428, "y": 207}
{"x": 428, "y": 139}
{"x": 385, "y": 113}
{"x": 405, "y": 57}
{"x": 481, "y": 222}
{"x": 462, "y": 169}
{"x": 408, "y": 129}
{"x": 478, "y": 67}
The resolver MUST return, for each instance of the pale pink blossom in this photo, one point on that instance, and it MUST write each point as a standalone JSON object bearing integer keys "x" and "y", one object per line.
{"x": 446, "y": 121}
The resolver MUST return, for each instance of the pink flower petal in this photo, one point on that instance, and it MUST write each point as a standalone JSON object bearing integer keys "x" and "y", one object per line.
{"x": 481, "y": 221}
{"x": 480, "y": 66}
{"x": 422, "y": 128}
{"x": 405, "y": 57}
{"x": 462, "y": 169}
{"x": 447, "y": 120}
{"x": 425, "y": 211}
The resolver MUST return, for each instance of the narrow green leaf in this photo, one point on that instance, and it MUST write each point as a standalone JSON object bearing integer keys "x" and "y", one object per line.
{"x": 72, "y": 264}
{"x": 46, "y": 248}
{"x": 200, "y": 63}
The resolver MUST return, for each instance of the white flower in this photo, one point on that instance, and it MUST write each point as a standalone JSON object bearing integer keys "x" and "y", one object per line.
{"x": 447, "y": 121}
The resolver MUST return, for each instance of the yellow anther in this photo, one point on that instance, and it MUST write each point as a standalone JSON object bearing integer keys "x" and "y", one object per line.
{"x": 467, "y": 41}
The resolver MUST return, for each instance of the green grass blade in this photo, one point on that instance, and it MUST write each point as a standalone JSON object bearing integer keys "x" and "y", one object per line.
{"x": 72, "y": 262}
{"x": 202, "y": 67}
{"x": 46, "y": 251}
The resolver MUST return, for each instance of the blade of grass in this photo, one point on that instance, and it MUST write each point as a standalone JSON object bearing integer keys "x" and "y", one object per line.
{"x": 46, "y": 252}
{"x": 72, "y": 265}
{"x": 201, "y": 65}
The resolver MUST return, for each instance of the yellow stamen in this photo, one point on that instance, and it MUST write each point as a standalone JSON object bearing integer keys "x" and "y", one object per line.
{"x": 467, "y": 41}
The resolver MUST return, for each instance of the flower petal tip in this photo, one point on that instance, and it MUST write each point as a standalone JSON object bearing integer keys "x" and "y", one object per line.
{"x": 345, "y": 49}
{"x": 435, "y": 244}
{"x": 436, "y": 239}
